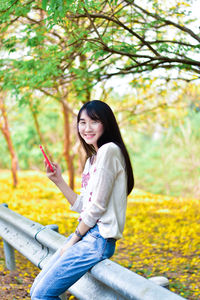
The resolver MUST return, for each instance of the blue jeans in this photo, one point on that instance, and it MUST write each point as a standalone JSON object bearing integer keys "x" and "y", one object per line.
{"x": 63, "y": 271}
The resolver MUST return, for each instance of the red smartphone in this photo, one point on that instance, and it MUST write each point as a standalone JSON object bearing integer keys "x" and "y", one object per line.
{"x": 46, "y": 158}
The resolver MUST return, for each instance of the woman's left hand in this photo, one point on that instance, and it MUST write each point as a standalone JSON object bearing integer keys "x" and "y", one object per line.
{"x": 75, "y": 238}
{"x": 68, "y": 245}
{"x": 71, "y": 242}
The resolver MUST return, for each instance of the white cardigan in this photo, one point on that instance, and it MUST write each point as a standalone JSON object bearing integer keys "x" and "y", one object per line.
{"x": 103, "y": 197}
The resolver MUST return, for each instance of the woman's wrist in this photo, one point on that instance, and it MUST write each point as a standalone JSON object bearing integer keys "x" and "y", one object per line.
{"x": 77, "y": 232}
{"x": 75, "y": 239}
{"x": 60, "y": 182}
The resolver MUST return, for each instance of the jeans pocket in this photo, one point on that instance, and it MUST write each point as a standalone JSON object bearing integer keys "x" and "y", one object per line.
{"x": 93, "y": 235}
{"x": 109, "y": 249}
{"x": 90, "y": 238}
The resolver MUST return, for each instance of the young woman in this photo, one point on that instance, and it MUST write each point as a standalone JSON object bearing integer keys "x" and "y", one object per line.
{"x": 107, "y": 179}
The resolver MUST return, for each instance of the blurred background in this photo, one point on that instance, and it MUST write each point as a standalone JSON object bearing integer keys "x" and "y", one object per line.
{"x": 164, "y": 145}
{"x": 143, "y": 60}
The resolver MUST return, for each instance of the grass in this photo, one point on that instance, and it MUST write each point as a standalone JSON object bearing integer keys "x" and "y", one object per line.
{"x": 169, "y": 164}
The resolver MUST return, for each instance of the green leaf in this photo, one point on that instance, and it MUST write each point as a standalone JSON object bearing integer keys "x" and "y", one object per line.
{"x": 44, "y": 4}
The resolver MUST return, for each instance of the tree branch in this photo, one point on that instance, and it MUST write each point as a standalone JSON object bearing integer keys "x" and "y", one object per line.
{"x": 93, "y": 25}
{"x": 59, "y": 99}
{"x": 118, "y": 22}
{"x": 168, "y": 22}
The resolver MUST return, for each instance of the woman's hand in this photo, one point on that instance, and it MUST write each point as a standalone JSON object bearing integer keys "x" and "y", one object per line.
{"x": 68, "y": 245}
{"x": 55, "y": 176}
{"x": 71, "y": 242}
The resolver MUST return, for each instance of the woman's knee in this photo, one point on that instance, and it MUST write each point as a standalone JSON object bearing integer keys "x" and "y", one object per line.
{"x": 34, "y": 293}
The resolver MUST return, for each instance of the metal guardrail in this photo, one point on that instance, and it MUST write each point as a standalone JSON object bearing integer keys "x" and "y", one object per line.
{"x": 107, "y": 280}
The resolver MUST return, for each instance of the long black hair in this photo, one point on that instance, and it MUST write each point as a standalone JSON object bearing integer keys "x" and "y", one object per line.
{"x": 99, "y": 110}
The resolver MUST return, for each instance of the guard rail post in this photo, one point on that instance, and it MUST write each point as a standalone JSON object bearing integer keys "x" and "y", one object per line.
{"x": 9, "y": 252}
{"x": 9, "y": 256}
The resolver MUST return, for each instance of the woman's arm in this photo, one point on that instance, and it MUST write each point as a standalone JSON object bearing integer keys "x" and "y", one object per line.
{"x": 57, "y": 178}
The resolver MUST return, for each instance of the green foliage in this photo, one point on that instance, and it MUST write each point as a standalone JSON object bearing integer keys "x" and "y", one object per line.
{"x": 56, "y": 10}
{"x": 138, "y": 38}
{"x": 9, "y": 43}
{"x": 169, "y": 164}
{"x": 22, "y": 10}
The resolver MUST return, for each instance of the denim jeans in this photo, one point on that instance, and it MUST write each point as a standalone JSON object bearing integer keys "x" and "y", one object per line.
{"x": 63, "y": 271}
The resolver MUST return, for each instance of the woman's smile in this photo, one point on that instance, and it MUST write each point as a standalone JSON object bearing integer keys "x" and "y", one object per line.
{"x": 89, "y": 136}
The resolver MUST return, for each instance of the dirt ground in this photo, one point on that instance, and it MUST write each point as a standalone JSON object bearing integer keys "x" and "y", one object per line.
{"x": 16, "y": 284}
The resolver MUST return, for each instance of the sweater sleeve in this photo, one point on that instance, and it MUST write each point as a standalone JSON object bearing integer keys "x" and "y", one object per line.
{"x": 107, "y": 168}
{"x": 78, "y": 204}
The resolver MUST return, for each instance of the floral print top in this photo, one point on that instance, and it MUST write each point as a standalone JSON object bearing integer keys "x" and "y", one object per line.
{"x": 103, "y": 197}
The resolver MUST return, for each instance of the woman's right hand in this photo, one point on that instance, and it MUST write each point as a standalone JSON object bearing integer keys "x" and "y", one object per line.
{"x": 55, "y": 176}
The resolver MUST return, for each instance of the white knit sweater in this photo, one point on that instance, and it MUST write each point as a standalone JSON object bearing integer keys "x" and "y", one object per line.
{"x": 103, "y": 197}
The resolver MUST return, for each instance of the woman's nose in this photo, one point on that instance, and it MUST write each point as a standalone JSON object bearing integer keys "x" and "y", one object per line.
{"x": 88, "y": 126}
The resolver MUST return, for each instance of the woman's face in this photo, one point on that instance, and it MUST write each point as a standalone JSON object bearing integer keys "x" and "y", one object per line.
{"x": 90, "y": 130}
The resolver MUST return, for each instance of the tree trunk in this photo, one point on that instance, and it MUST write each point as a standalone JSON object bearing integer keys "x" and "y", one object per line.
{"x": 4, "y": 127}
{"x": 37, "y": 127}
{"x": 82, "y": 158}
{"x": 67, "y": 145}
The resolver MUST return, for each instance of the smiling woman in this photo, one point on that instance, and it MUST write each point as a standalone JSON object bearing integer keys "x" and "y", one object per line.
{"x": 90, "y": 130}
{"x": 106, "y": 182}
